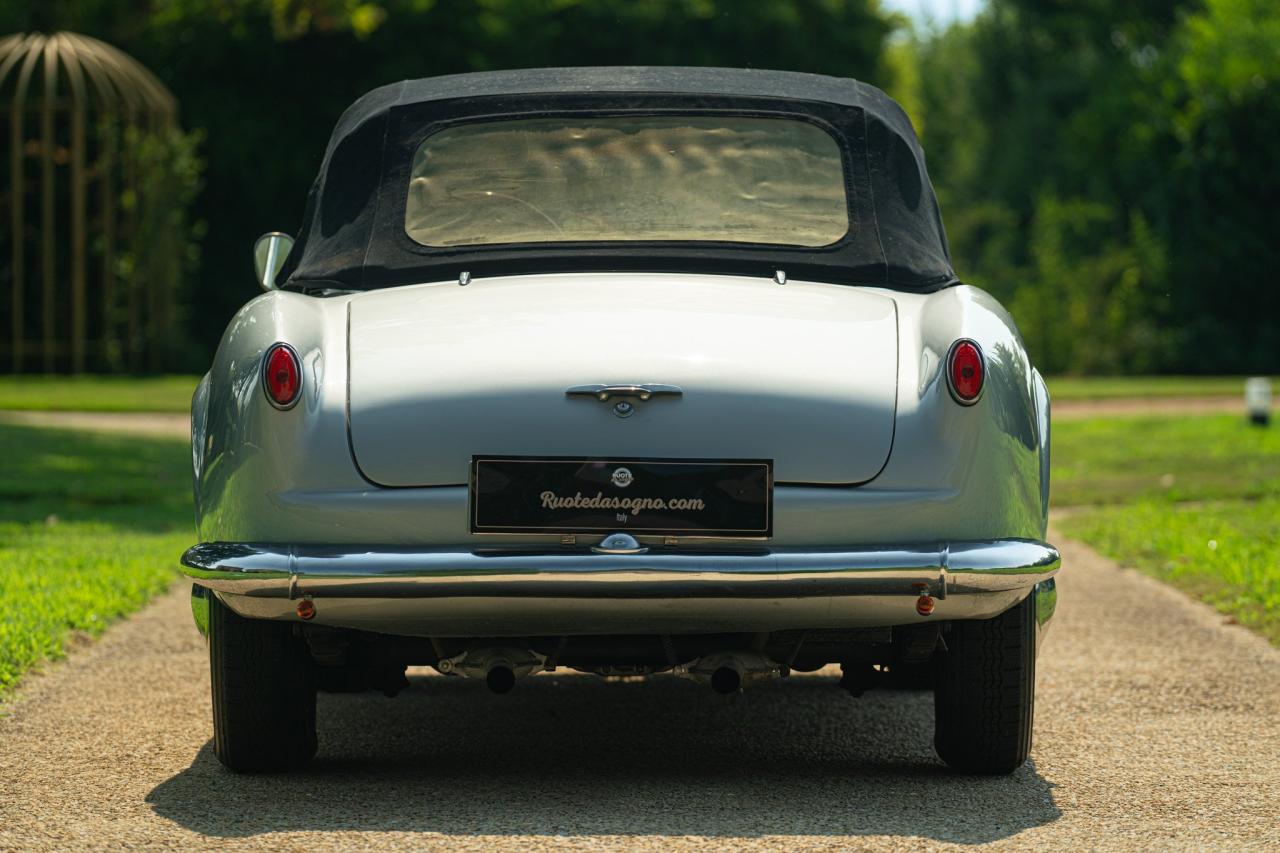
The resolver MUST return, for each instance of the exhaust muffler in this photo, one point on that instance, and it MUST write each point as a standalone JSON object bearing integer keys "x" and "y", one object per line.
{"x": 729, "y": 672}
{"x": 498, "y": 667}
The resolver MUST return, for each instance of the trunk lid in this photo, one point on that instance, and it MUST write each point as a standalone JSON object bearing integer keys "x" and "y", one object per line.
{"x": 803, "y": 374}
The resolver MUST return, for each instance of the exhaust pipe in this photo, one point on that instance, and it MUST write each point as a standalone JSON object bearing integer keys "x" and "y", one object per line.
{"x": 726, "y": 680}
{"x": 498, "y": 667}
{"x": 500, "y": 678}
{"x": 729, "y": 672}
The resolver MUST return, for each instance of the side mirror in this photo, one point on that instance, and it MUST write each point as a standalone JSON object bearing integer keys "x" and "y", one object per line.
{"x": 269, "y": 253}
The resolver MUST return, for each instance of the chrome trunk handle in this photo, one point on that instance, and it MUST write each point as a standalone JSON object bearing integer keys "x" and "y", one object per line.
{"x": 603, "y": 393}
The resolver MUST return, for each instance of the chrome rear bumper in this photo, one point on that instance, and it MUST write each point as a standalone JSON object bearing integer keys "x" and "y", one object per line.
{"x": 523, "y": 592}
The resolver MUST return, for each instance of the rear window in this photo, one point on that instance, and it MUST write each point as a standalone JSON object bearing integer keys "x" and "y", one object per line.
{"x": 671, "y": 178}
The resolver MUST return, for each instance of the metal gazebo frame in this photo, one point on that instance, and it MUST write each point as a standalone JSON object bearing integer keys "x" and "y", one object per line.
{"x": 82, "y": 97}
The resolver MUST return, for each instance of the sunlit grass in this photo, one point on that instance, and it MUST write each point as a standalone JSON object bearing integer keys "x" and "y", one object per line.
{"x": 91, "y": 527}
{"x": 1120, "y": 460}
{"x": 1193, "y": 501}
{"x": 98, "y": 393}
{"x": 1227, "y": 554}
{"x": 1108, "y": 387}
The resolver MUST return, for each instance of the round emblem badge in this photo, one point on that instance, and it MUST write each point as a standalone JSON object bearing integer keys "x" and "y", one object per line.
{"x": 622, "y": 477}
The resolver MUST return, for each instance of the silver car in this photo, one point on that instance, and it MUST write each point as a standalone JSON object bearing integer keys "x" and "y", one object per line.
{"x": 653, "y": 371}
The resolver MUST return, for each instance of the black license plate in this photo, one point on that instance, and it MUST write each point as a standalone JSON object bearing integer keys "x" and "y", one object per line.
{"x": 656, "y": 497}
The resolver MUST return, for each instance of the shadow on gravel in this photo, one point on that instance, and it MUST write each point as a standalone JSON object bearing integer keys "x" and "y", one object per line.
{"x": 574, "y": 756}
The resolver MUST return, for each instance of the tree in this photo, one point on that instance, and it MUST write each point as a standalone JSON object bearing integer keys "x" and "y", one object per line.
{"x": 1108, "y": 170}
{"x": 265, "y": 81}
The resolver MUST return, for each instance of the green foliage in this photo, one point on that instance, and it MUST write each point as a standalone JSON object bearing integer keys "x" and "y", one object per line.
{"x": 902, "y": 73}
{"x": 1105, "y": 169}
{"x": 143, "y": 241}
{"x": 295, "y": 18}
{"x": 98, "y": 393}
{"x": 91, "y": 527}
{"x": 164, "y": 247}
{"x": 267, "y": 79}
{"x": 1231, "y": 56}
{"x": 1226, "y": 123}
{"x": 1093, "y": 302}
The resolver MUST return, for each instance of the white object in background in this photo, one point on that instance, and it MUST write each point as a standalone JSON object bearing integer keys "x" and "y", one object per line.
{"x": 1257, "y": 399}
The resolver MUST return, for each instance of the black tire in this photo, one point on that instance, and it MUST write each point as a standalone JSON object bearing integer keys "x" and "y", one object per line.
{"x": 984, "y": 696}
{"x": 340, "y": 679}
{"x": 264, "y": 693}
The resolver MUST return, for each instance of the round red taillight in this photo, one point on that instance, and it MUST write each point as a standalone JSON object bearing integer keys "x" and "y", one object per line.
{"x": 281, "y": 376}
{"x": 966, "y": 370}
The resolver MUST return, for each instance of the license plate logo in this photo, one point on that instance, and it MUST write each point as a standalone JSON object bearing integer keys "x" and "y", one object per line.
{"x": 721, "y": 498}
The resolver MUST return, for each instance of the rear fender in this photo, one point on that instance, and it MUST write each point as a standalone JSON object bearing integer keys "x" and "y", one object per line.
{"x": 993, "y": 455}
{"x": 245, "y": 451}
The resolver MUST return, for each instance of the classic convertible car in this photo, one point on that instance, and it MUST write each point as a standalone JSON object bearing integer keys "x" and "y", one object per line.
{"x": 630, "y": 371}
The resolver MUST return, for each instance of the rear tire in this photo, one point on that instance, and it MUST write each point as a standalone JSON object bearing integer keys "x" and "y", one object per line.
{"x": 984, "y": 697}
{"x": 264, "y": 693}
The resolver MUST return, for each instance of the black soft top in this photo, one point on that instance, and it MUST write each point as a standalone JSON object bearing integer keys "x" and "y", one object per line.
{"x": 353, "y": 234}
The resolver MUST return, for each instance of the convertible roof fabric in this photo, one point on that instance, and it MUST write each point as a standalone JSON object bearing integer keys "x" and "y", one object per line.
{"x": 353, "y": 232}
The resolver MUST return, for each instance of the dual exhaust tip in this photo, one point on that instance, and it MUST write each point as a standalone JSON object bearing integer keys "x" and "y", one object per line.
{"x": 500, "y": 678}
{"x": 725, "y": 672}
{"x": 498, "y": 667}
{"x": 729, "y": 672}
{"x": 725, "y": 680}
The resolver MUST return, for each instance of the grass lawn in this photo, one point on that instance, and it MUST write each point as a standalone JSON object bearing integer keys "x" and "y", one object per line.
{"x": 1110, "y": 387}
{"x": 1226, "y": 553}
{"x": 1171, "y": 459}
{"x": 1193, "y": 501}
{"x": 98, "y": 393}
{"x": 91, "y": 527}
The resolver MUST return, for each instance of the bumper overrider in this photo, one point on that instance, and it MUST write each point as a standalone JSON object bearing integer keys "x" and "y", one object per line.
{"x": 497, "y": 592}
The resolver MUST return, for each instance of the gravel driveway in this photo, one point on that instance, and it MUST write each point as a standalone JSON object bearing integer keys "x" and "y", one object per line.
{"x": 161, "y": 424}
{"x": 1159, "y": 728}
{"x": 1072, "y": 410}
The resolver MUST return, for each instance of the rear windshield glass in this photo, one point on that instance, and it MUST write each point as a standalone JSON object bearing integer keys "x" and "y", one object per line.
{"x": 717, "y": 178}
